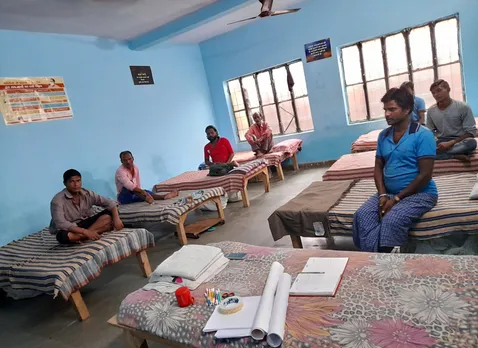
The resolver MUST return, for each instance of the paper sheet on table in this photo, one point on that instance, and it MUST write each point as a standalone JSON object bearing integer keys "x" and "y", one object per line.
{"x": 279, "y": 312}
{"x": 240, "y": 320}
{"x": 260, "y": 326}
{"x": 232, "y": 333}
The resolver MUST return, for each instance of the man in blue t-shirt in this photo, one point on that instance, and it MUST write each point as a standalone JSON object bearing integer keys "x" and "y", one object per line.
{"x": 419, "y": 108}
{"x": 403, "y": 177}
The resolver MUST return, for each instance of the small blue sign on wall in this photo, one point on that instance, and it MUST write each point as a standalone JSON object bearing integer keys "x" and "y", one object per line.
{"x": 318, "y": 50}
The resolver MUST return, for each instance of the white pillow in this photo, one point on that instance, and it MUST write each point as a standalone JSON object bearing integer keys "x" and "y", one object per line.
{"x": 474, "y": 192}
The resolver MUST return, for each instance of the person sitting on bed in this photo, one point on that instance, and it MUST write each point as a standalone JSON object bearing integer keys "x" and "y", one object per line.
{"x": 259, "y": 136}
{"x": 218, "y": 151}
{"x": 453, "y": 123}
{"x": 73, "y": 218}
{"x": 128, "y": 183}
{"x": 419, "y": 108}
{"x": 403, "y": 177}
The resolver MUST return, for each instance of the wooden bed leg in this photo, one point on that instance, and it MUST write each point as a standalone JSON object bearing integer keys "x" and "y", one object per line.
{"x": 296, "y": 241}
{"x": 245, "y": 196}
{"x": 143, "y": 261}
{"x": 266, "y": 180}
{"x": 295, "y": 162}
{"x": 280, "y": 171}
{"x": 133, "y": 341}
{"x": 220, "y": 211}
{"x": 183, "y": 240}
{"x": 80, "y": 305}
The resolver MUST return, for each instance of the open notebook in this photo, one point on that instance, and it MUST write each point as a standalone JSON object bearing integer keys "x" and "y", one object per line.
{"x": 320, "y": 277}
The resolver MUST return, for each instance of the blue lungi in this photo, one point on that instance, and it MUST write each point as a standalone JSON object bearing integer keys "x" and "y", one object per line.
{"x": 126, "y": 196}
{"x": 369, "y": 233}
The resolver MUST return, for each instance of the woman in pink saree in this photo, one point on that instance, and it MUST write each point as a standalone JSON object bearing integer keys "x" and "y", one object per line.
{"x": 259, "y": 136}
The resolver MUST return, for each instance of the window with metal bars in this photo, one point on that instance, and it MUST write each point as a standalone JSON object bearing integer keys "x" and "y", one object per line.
{"x": 279, "y": 93}
{"x": 420, "y": 54}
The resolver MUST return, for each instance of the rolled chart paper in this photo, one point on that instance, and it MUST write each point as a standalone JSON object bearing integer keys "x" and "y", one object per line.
{"x": 279, "y": 311}
{"x": 260, "y": 325}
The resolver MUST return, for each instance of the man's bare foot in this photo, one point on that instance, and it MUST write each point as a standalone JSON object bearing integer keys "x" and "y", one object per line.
{"x": 464, "y": 158}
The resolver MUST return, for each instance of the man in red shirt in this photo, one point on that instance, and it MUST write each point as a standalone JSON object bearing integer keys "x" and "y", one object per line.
{"x": 219, "y": 150}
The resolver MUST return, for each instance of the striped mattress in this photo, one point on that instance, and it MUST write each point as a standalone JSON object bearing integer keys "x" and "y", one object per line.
{"x": 271, "y": 159}
{"x": 164, "y": 211}
{"x": 199, "y": 180}
{"x": 454, "y": 212}
{"x": 366, "y": 142}
{"x": 37, "y": 264}
{"x": 361, "y": 166}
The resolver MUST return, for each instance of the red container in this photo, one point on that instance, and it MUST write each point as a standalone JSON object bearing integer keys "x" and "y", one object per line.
{"x": 183, "y": 296}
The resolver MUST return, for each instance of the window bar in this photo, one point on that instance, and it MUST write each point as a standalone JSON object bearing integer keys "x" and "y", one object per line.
{"x": 276, "y": 100}
{"x": 246, "y": 105}
{"x": 406, "y": 35}
{"x": 362, "y": 67}
{"x": 434, "y": 50}
{"x": 385, "y": 63}
{"x": 259, "y": 97}
{"x": 234, "y": 112}
{"x": 294, "y": 107}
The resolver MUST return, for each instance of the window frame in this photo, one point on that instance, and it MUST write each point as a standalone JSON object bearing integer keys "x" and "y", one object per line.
{"x": 276, "y": 101}
{"x": 410, "y": 71}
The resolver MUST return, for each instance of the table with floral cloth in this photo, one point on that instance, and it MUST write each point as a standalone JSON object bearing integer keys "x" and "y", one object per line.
{"x": 384, "y": 300}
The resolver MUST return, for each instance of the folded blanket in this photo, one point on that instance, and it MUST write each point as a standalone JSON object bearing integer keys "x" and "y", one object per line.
{"x": 189, "y": 262}
{"x": 168, "y": 284}
{"x": 307, "y": 214}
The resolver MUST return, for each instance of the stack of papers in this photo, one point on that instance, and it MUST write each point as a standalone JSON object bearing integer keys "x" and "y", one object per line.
{"x": 190, "y": 266}
{"x": 321, "y": 276}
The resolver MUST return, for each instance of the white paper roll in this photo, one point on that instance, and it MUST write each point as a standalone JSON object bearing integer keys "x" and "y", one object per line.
{"x": 279, "y": 312}
{"x": 260, "y": 325}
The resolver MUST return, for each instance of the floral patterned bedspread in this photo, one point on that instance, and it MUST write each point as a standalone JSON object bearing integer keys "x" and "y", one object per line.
{"x": 384, "y": 300}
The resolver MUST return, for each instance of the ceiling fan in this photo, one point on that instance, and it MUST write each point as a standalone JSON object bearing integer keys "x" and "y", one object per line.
{"x": 266, "y": 11}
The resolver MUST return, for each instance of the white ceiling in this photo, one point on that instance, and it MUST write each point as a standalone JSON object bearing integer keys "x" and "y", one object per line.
{"x": 220, "y": 25}
{"x": 121, "y": 19}
{"x": 115, "y": 19}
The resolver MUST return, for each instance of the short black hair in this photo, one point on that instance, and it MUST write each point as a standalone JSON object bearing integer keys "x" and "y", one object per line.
{"x": 69, "y": 174}
{"x": 408, "y": 84}
{"x": 438, "y": 83}
{"x": 401, "y": 96}
{"x": 122, "y": 153}
{"x": 211, "y": 127}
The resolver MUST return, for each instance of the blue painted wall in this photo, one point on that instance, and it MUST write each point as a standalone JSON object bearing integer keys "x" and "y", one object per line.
{"x": 161, "y": 124}
{"x": 274, "y": 41}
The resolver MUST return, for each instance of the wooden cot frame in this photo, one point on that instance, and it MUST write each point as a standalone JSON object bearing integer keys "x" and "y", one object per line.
{"x": 77, "y": 299}
{"x": 263, "y": 174}
{"x": 280, "y": 170}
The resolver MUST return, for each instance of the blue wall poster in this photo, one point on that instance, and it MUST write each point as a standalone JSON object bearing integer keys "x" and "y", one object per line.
{"x": 318, "y": 50}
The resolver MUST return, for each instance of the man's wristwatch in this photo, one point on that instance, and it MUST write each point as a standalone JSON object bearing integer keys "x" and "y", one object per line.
{"x": 396, "y": 199}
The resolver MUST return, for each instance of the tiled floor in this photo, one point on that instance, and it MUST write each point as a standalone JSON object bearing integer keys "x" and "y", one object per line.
{"x": 47, "y": 323}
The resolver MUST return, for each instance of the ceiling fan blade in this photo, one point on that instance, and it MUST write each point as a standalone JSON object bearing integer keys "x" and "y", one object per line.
{"x": 242, "y": 20}
{"x": 283, "y": 12}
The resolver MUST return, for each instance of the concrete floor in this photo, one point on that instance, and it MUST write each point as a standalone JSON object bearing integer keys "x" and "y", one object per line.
{"x": 47, "y": 323}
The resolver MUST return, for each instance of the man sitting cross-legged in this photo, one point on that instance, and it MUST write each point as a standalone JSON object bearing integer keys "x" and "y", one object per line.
{"x": 128, "y": 183}
{"x": 403, "y": 177}
{"x": 453, "y": 124}
{"x": 73, "y": 217}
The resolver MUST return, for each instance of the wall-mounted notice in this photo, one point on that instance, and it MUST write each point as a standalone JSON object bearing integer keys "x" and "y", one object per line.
{"x": 33, "y": 99}
{"x": 142, "y": 75}
{"x": 318, "y": 50}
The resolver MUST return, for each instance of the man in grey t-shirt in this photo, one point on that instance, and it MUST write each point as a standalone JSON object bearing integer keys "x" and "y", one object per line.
{"x": 453, "y": 123}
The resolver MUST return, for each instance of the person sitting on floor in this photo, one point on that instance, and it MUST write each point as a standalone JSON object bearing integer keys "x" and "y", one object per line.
{"x": 128, "y": 183}
{"x": 259, "y": 136}
{"x": 419, "y": 108}
{"x": 218, "y": 151}
{"x": 453, "y": 123}
{"x": 72, "y": 216}
{"x": 403, "y": 177}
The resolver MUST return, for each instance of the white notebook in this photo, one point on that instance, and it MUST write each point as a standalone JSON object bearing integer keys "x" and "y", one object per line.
{"x": 321, "y": 276}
